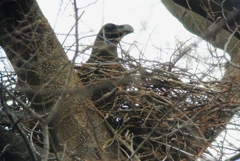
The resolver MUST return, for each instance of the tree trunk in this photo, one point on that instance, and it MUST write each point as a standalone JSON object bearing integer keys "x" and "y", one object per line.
{"x": 46, "y": 76}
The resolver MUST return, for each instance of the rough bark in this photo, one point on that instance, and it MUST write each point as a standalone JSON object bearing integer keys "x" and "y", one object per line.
{"x": 46, "y": 75}
{"x": 14, "y": 145}
{"x": 203, "y": 27}
{"x": 215, "y": 11}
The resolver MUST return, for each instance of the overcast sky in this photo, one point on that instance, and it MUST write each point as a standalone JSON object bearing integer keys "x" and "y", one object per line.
{"x": 155, "y": 28}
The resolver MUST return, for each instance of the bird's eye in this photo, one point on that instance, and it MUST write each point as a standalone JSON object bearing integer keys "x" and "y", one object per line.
{"x": 110, "y": 27}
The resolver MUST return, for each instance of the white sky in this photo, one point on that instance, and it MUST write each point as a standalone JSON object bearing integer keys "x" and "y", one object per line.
{"x": 153, "y": 25}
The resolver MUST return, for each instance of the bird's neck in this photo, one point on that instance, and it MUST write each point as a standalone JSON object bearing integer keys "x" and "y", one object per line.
{"x": 104, "y": 52}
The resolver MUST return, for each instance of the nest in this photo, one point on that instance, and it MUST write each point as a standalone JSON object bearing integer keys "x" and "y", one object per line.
{"x": 158, "y": 112}
{"x": 155, "y": 112}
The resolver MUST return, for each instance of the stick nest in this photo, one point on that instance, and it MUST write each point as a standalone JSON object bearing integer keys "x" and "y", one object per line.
{"x": 159, "y": 112}
{"x": 154, "y": 112}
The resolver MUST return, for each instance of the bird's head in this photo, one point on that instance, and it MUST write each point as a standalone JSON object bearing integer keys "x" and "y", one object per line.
{"x": 105, "y": 45}
{"x": 112, "y": 33}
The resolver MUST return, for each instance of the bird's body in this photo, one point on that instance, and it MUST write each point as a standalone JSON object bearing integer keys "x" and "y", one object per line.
{"x": 105, "y": 45}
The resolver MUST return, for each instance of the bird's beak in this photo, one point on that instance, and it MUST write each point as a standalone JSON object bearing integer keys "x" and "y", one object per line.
{"x": 125, "y": 29}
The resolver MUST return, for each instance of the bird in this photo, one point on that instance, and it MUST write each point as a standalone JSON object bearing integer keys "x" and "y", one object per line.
{"x": 104, "y": 62}
{"x": 104, "y": 65}
{"x": 105, "y": 46}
